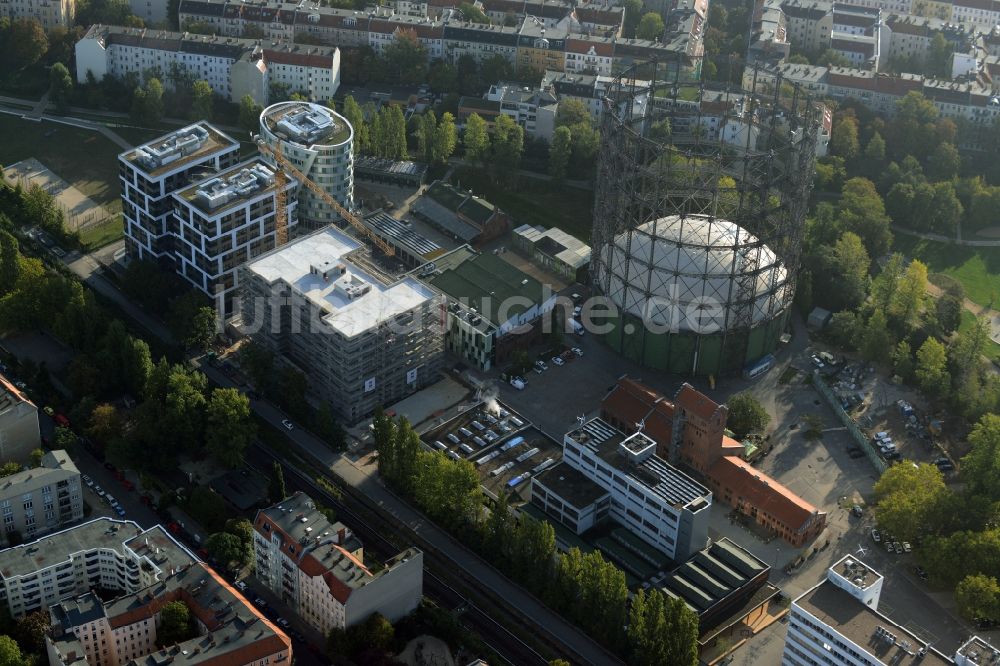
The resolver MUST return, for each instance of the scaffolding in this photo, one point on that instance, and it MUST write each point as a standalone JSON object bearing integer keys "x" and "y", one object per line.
{"x": 709, "y": 153}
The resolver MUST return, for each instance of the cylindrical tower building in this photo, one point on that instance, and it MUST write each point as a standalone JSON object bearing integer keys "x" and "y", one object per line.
{"x": 699, "y": 216}
{"x": 320, "y": 143}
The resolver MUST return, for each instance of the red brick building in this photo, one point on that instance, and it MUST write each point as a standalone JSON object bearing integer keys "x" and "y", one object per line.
{"x": 691, "y": 430}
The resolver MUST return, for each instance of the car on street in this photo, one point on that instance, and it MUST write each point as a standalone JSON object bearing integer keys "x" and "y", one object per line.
{"x": 119, "y": 510}
{"x": 48, "y": 410}
{"x": 21, "y": 385}
{"x": 907, "y": 547}
{"x": 556, "y": 360}
{"x": 898, "y": 547}
{"x": 540, "y": 364}
{"x": 577, "y": 351}
{"x": 241, "y": 586}
{"x": 817, "y": 362}
{"x": 283, "y": 622}
{"x": 87, "y": 480}
{"x": 876, "y": 536}
{"x": 517, "y": 383}
{"x": 100, "y": 492}
{"x": 577, "y": 311}
{"x": 260, "y": 601}
{"x": 288, "y": 424}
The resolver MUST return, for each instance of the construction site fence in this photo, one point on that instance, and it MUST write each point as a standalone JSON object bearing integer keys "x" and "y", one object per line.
{"x": 860, "y": 438}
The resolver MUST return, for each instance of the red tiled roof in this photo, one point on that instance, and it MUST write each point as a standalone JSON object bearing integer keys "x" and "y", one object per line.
{"x": 693, "y": 400}
{"x": 299, "y": 58}
{"x": 761, "y": 491}
{"x": 630, "y": 402}
{"x": 601, "y": 48}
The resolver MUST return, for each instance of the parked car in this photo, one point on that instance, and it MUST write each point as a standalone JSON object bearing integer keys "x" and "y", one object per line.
{"x": 577, "y": 351}
{"x": 288, "y": 424}
{"x": 907, "y": 547}
{"x": 241, "y": 586}
{"x": 87, "y": 480}
{"x": 556, "y": 360}
{"x": 876, "y": 536}
{"x": 119, "y": 510}
{"x": 283, "y": 622}
{"x": 898, "y": 547}
{"x": 818, "y": 363}
{"x": 856, "y": 510}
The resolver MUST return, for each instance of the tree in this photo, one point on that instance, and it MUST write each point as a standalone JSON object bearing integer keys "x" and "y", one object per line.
{"x": 356, "y": 117}
{"x": 650, "y": 27}
{"x": 863, "y": 212}
{"x": 10, "y": 262}
{"x": 442, "y": 76}
{"x": 104, "y": 424}
{"x": 932, "y": 368}
{"x": 746, "y": 414}
{"x": 633, "y": 14}
{"x": 201, "y": 100}
{"x": 476, "y": 140}
{"x": 981, "y": 466}
{"x": 30, "y": 631}
{"x": 242, "y": 529}
{"x": 249, "y": 115}
{"x": 229, "y": 426}
{"x": 276, "y": 489}
{"x": 945, "y": 162}
{"x": 192, "y": 321}
{"x": 948, "y": 311}
{"x": 978, "y": 598}
{"x": 35, "y": 457}
{"x": 147, "y": 102}
{"x": 559, "y": 153}
{"x": 876, "y": 341}
{"x": 329, "y": 429}
{"x": 9, "y": 468}
{"x": 508, "y": 145}
{"x": 938, "y": 60}
{"x": 902, "y": 360}
{"x": 875, "y": 150}
{"x": 60, "y": 86}
{"x": 10, "y": 653}
{"x": 909, "y": 294}
{"x": 572, "y": 112}
{"x": 907, "y": 498}
{"x": 844, "y": 330}
{"x": 258, "y": 363}
{"x": 844, "y": 141}
{"x": 445, "y": 139}
{"x": 840, "y": 281}
{"x": 225, "y": 548}
{"x": 405, "y": 59}
{"x": 25, "y": 42}
{"x": 175, "y": 624}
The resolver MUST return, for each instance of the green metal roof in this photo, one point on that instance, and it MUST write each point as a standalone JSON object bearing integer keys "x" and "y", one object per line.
{"x": 487, "y": 276}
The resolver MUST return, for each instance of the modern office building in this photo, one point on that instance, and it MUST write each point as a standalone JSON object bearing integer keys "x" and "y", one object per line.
{"x": 115, "y": 555}
{"x": 320, "y": 143}
{"x": 839, "y": 622}
{"x": 228, "y": 629}
{"x": 19, "y": 431}
{"x": 361, "y": 338}
{"x": 641, "y": 491}
{"x": 318, "y": 569}
{"x": 49, "y": 13}
{"x": 233, "y": 67}
{"x": 691, "y": 430}
{"x": 152, "y": 172}
{"x": 37, "y": 501}
{"x": 227, "y": 219}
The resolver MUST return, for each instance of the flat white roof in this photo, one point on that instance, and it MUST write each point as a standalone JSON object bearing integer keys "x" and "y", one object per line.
{"x": 348, "y": 316}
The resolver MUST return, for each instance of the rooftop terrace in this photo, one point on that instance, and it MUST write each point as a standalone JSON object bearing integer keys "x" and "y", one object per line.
{"x": 306, "y": 124}
{"x": 230, "y": 188}
{"x": 178, "y": 148}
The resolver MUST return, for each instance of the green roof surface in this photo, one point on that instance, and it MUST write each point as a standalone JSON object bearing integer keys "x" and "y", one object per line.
{"x": 487, "y": 276}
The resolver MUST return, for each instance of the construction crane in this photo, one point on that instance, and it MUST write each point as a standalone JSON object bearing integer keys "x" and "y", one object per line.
{"x": 282, "y": 162}
{"x": 280, "y": 206}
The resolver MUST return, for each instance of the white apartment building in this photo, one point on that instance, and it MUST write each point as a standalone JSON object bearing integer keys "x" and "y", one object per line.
{"x": 37, "y": 501}
{"x": 653, "y": 499}
{"x": 49, "y": 13}
{"x": 360, "y": 339}
{"x": 19, "y": 431}
{"x": 151, "y": 173}
{"x": 110, "y": 554}
{"x": 229, "y": 629}
{"x": 152, "y": 12}
{"x": 225, "y": 220}
{"x": 838, "y": 622}
{"x": 320, "y": 144}
{"x": 318, "y": 569}
{"x": 233, "y": 67}
{"x": 535, "y": 111}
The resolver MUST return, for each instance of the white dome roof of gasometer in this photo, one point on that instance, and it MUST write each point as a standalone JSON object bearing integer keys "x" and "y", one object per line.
{"x": 692, "y": 269}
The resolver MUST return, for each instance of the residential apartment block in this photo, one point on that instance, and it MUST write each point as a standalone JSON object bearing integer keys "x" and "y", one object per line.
{"x": 653, "y": 499}
{"x": 839, "y": 622}
{"x": 690, "y": 430}
{"x": 151, "y": 173}
{"x": 317, "y": 568}
{"x": 19, "y": 431}
{"x": 233, "y": 67}
{"x": 553, "y": 35}
{"x": 229, "y": 629}
{"x": 115, "y": 555}
{"x": 534, "y": 110}
{"x": 40, "y": 500}
{"x": 49, "y": 13}
{"x": 362, "y": 339}
{"x": 320, "y": 144}
{"x": 227, "y": 219}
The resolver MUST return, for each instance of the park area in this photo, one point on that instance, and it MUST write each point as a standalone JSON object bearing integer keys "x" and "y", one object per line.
{"x": 977, "y": 268}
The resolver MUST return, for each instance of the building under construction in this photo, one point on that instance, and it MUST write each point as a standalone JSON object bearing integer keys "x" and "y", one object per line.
{"x": 699, "y": 216}
{"x": 362, "y": 339}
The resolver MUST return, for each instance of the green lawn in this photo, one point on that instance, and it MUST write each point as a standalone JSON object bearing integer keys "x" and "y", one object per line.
{"x": 98, "y": 235}
{"x": 84, "y": 158}
{"x": 977, "y": 268}
{"x": 534, "y": 202}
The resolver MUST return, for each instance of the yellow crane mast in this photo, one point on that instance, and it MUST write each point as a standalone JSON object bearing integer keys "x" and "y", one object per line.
{"x": 283, "y": 163}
